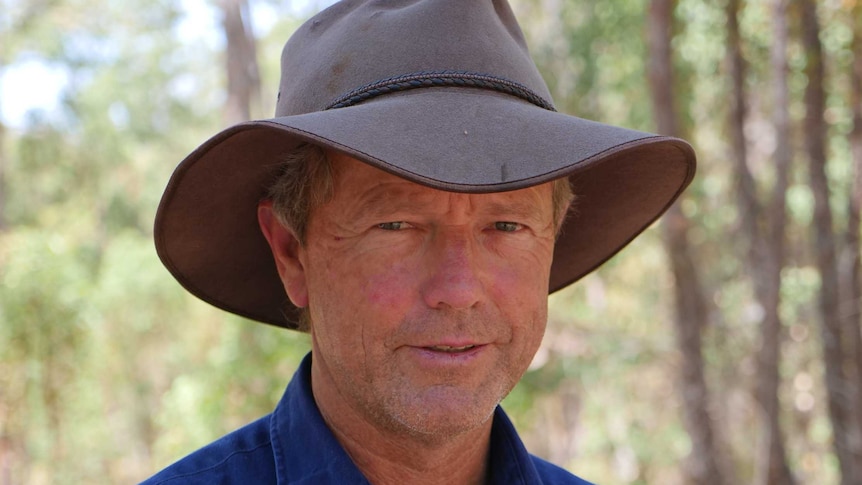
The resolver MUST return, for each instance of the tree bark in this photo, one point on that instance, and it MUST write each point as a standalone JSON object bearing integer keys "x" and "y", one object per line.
{"x": 243, "y": 77}
{"x": 852, "y": 297}
{"x": 702, "y": 466}
{"x": 765, "y": 237}
{"x": 837, "y": 385}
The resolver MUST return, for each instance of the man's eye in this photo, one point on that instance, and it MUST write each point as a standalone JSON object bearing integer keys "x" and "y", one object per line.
{"x": 506, "y": 226}
{"x": 393, "y": 226}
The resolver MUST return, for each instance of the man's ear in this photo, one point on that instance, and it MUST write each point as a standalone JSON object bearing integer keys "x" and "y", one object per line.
{"x": 287, "y": 252}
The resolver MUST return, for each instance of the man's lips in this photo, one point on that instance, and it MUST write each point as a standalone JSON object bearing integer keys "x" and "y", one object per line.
{"x": 453, "y": 346}
{"x": 450, "y": 348}
{"x": 431, "y": 356}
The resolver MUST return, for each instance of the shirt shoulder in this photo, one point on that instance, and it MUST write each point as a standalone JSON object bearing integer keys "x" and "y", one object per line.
{"x": 243, "y": 456}
{"x": 552, "y": 474}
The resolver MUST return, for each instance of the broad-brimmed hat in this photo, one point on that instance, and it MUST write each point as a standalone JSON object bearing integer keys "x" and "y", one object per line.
{"x": 440, "y": 92}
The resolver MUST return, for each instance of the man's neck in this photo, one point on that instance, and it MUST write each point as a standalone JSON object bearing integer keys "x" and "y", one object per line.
{"x": 462, "y": 462}
{"x": 388, "y": 457}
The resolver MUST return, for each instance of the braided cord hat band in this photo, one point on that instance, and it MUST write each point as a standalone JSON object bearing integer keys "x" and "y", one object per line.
{"x": 430, "y": 79}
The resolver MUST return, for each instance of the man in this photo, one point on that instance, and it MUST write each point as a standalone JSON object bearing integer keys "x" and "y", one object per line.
{"x": 407, "y": 207}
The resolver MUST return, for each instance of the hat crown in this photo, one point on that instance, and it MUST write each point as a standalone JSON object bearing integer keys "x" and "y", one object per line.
{"x": 358, "y": 42}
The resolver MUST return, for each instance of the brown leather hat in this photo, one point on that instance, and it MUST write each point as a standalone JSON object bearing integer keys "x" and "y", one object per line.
{"x": 439, "y": 92}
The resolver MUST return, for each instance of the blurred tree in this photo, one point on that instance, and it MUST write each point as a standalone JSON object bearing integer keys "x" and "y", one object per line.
{"x": 703, "y": 465}
{"x": 849, "y": 268}
{"x": 79, "y": 184}
{"x": 852, "y": 276}
{"x": 837, "y": 383}
{"x": 3, "y": 156}
{"x": 17, "y": 23}
{"x": 764, "y": 233}
{"x": 243, "y": 77}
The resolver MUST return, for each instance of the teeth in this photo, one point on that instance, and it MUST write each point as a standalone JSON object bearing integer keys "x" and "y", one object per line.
{"x": 446, "y": 348}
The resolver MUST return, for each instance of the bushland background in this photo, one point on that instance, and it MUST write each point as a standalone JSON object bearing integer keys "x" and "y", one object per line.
{"x": 723, "y": 346}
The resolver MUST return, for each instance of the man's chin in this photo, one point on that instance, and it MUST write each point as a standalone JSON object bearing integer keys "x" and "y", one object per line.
{"x": 441, "y": 413}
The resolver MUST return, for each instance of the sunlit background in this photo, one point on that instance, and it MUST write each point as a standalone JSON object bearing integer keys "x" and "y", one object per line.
{"x": 110, "y": 371}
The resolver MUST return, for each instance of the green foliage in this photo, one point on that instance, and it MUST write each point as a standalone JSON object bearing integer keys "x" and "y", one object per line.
{"x": 108, "y": 369}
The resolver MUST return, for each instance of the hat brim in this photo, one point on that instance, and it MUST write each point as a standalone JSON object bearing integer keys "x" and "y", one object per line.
{"x": 460, "y": 140}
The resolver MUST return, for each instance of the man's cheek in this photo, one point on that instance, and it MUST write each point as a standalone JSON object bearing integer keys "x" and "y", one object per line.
{"x": 520, "y": 286}
{"x": 390, "y": 288}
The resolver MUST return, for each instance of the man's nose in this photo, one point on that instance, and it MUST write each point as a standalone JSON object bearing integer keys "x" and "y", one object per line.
{"x": 454, "y": 279}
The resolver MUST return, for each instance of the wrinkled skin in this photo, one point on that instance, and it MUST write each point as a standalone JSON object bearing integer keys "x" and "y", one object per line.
{"x": 426, "y": 306}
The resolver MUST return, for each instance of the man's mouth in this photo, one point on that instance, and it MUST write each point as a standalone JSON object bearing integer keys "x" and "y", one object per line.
{"x": 450, "y": 349}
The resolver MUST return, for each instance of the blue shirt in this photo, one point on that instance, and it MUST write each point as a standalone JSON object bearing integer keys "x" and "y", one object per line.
{"x": 294, "y": 446}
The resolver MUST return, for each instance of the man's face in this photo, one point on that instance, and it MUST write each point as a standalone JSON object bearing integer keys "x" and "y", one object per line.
{"x": 426, "y": 306}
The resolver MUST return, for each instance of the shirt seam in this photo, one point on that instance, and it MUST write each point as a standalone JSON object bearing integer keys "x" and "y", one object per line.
{"x": 216, "y": 465}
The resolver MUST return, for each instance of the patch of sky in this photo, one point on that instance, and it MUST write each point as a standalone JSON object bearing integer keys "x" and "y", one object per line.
{"x": 33, "y": 86}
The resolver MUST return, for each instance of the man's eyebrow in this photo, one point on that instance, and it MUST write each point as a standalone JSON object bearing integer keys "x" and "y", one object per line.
{"x": 517, "y": 208}
{"x": 386, "y": 199}
{"x": 520, "y": 209}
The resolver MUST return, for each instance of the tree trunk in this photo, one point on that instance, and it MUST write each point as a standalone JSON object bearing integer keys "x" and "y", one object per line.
{"x": 764, "y": 237}
{"x": 702, "y": 466}
{"x": 837, "y": 385}
{"x": 243, "y": 78}
{"x": 852, "y": 297}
